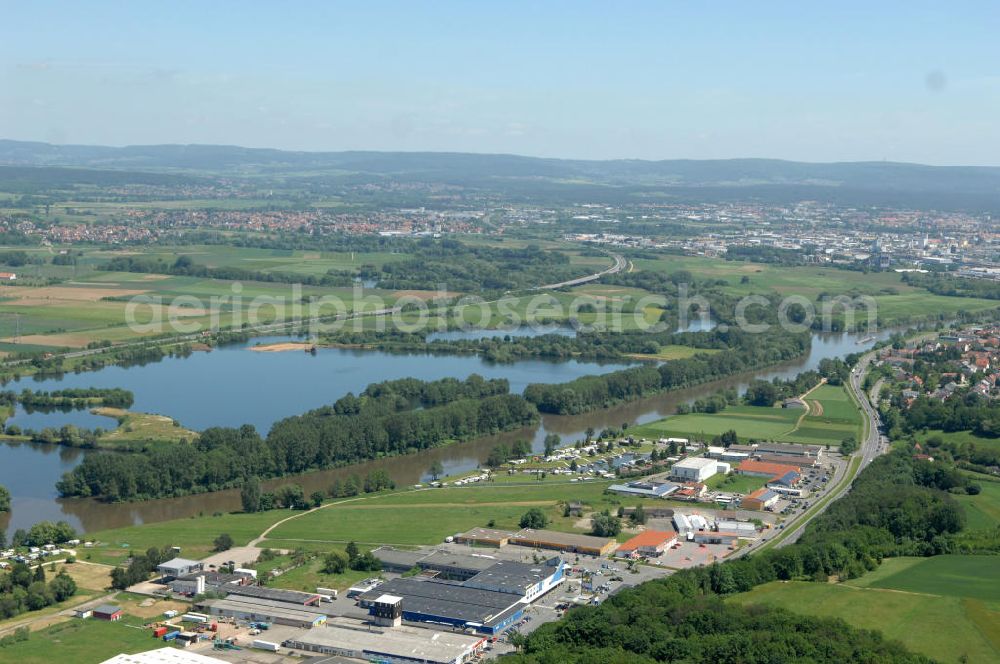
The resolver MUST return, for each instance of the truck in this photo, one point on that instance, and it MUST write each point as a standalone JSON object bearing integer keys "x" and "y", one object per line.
{"x": 170, "y": 636}
{"x": 260, "y": 644}
{"x": 327, "y": 594}
{"x": 159, "y": 632}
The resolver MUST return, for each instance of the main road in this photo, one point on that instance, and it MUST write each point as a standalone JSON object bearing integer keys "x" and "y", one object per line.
{"x": 619, "y": 265}
{"x": 871, "y": 447}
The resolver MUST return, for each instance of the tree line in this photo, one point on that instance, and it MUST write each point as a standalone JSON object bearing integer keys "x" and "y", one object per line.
{"x": 745, "y": 352}
{"x": 395, "y": 417}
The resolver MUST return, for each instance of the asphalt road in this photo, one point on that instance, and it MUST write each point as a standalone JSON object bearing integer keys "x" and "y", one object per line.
{"x": 871, "y": 447}
{"x": 619, "y": 265}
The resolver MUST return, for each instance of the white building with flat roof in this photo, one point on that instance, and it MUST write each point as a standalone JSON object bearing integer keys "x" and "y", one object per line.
{"x": 694, "y": 469}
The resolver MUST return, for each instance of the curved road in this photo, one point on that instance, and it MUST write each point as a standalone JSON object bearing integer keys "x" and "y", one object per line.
{"x": 619, "y": 265}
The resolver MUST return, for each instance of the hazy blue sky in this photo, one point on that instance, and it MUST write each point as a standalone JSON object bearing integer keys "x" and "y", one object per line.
{"x": 904, "y": 81}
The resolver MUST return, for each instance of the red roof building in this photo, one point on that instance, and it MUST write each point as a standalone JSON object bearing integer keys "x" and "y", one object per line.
{"x": 647, "y": 544}
{"x": 764, "y": 469}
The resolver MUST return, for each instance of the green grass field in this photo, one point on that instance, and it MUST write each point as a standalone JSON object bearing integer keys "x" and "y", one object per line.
{"x": 734, "y": 483}
{"x": 427, "y": 517}
{"x": 944, "y": 627}
{"x": 977, "y": 577}
{"x": 84, "y": 641}
{"x": 838, "y": 420}
{"x": 194, "y": 535}
{"x": 982, "y": 511}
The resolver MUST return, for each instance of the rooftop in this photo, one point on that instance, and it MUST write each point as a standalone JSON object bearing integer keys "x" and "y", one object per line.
{"x": 261, "y": 607}
{"x": 511, "y": 576}
{"x": 452, "y": 599}
{"x": 107, "y": 609}
{"x": 488, "y": 533}
{"x": 696, "y": 463}
{"x": 174, "y": 563}
{"x": 411, "y": 643}
{"x": 564, "y": 539}
{"x": 648, "y": 538}
{"x": 166, "y": 655}
{"x": 276, "y": 594}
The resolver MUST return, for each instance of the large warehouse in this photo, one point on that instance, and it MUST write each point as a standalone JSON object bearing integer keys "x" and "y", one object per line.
{"x": 263, "y": 610}
{"x": 694, "y": 469}
{"x": 488, "y": 602}
{"x": 399, "y": 645}
{"x": 567, "y": 542}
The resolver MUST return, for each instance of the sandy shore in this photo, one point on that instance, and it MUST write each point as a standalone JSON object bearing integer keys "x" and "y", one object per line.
{"x": 282, "y": 347}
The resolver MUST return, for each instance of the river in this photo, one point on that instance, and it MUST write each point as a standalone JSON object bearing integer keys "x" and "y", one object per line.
{"x": 234, "y": 385}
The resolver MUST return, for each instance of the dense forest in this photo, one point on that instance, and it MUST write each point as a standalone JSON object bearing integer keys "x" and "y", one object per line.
{"x": 898, "y": 506}
{"x": 394, "y": 417}
{"x": 745, "y": 352}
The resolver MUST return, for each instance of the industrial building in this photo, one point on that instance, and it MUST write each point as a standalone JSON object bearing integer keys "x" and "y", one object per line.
{"x": 487, "y": 602}
{"x": 647, "y": 544}
{"x": 485, "y": 537}
{"x": 786, "y": 481}
{"x": 455, "y": 566}
{"x": 396, "y": 560}
{"x": 694, "y": 469}
{"x": 197, "y": 583}
{"x": 258, "y": 610}
{"x": 566, "y": 542}
{"x": 645, "y": 489}
{"x": 762, "y": 469}
{"x": 400, "y": 645}
{"x": 744, "y": 529}
{"x": 176, "y": 567}
{"x": 292, "y": 597}
{"x": 450, "y": 603}
{"x": 760, "y": 500}
{"x": 721, "y": 537}
{"x": 165, "y": 655}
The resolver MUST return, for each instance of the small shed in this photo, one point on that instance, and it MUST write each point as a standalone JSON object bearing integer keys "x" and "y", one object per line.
{"x": 109, "y": 612}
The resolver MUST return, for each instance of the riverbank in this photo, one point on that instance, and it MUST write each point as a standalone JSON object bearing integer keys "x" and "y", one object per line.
{"x": 283, "y": 347}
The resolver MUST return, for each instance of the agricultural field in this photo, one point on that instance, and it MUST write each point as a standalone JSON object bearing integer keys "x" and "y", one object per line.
{"x": 896, "y": 301}
{"x": 78, "y": 312}
{"x": 977, "y": 577}
{"x": 944, "y": 627}
{"x": 832, "y": 417}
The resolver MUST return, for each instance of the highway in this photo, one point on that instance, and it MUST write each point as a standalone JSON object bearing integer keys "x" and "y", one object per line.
{"x": 619, "y": 265}
{"x": 871, "y": 447}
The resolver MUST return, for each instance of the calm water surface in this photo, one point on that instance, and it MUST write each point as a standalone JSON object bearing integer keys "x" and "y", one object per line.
{"x": 234, "y": 385}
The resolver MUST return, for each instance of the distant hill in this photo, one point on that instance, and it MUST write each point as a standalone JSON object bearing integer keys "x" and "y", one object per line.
{"x": 860, "y": 183}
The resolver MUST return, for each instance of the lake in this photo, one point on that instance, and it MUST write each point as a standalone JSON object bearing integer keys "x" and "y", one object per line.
{"x": 234, "y": 385}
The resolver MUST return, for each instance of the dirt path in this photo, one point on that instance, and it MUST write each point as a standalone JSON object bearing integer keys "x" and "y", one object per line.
{"x": 808, "y": 409}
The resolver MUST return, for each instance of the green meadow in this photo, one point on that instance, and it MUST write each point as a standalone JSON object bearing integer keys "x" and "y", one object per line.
{"x": 945, "y": 627}
{"x": 838, "y": 420}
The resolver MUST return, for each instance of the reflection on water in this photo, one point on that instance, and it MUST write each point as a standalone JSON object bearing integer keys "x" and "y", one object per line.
{"x": 30, "y": 471}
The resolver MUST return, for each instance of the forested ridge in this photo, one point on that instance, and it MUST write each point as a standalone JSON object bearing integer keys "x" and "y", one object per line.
{"x": 897, "y": 506}
{"x": 388, "y": 418}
